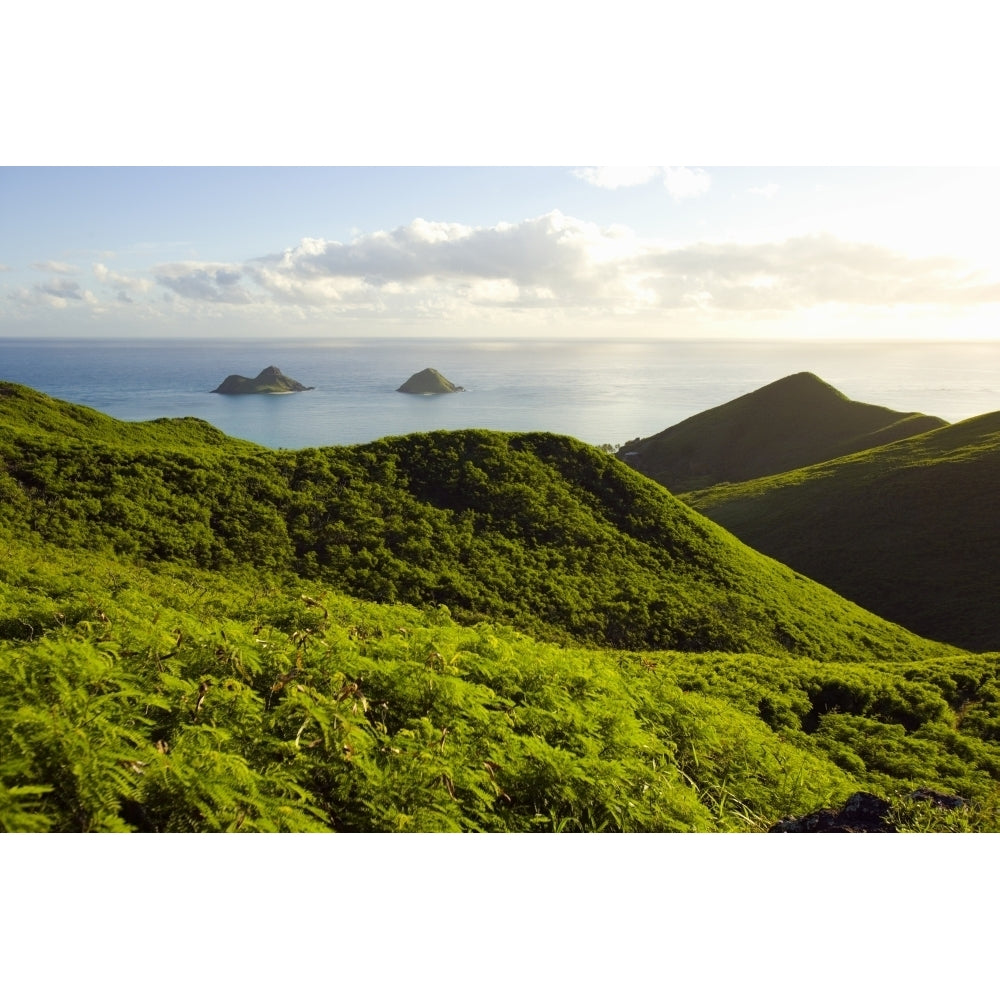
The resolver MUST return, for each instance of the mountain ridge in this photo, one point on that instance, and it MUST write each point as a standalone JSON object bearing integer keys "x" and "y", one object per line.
{"x": 538, "y": 530}
{"x": 796, "y": 421}
{"x": 907, "y": 529}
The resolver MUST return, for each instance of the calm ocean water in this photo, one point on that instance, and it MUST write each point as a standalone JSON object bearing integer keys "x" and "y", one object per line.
{"x": 597, "y": 391}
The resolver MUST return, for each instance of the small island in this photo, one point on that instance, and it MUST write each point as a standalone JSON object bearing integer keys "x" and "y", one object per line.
{"x": 270, "y": 379}
{"x": 428, "y": 382}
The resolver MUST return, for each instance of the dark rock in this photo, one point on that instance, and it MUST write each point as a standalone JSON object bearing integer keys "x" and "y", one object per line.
{"x": 862, "y": 813}
{"x": 271, "y": 379}
{"x": 939, "y": 799}
{"x": 428, "y": 382}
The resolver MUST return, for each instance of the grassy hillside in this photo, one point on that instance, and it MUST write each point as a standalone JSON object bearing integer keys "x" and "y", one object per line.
{"x": 797, "y": 421}
{"x": 171, "y": 699}
{"x": 184, "y": 646}
{"x": 25, "y": 412}
{"x": 536, "y": 530}
{"x": 908, "y": 530}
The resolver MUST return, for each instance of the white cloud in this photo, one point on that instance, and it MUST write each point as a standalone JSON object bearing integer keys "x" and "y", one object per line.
{"x": 57, "y": 294}
{"x": 55, "y": 267}
{"x": 205, "y": 282}
{"x": 125, "y": 285}
{"x": 559, "y": 263}
{"x": 808, "y": 271}
{"x": 62, "y": 289}
{"x": 549, "y": 256}
{"x": 765, "y": 190}
{"x": 680, "y": 182}
{"x": 616, "y": 177}
{"x": 684, "y": 182}
{"x": 554, "y": 267}
{"x": 493, "y": 290}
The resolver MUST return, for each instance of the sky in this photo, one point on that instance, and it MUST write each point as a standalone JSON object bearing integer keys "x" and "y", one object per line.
{"x": 571, "y": 251}
{"x": 494, "y": 212}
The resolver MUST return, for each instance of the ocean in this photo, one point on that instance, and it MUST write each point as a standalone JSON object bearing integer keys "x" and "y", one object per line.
{"x": 602, "y": 392}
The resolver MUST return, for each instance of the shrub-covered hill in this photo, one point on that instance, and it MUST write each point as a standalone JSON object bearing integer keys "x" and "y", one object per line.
{"x": 798, "y": 420}
{"x": 27, "y": 412}
{"x": 536, "y": 530}
{"x": 909, "y": 530}
{"x": 166, "y": 698}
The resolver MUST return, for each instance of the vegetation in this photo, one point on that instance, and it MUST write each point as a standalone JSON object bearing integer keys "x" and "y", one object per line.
{"x": 466, "y": 631}
{"x": 167, "y": 699}
{"x": 907, "y": 530}
{"x": 535, "y": 530}
{"x": 797, "y": 421}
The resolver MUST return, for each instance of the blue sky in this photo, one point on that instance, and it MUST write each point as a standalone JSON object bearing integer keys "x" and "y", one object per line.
{"x": 499, "y": 251}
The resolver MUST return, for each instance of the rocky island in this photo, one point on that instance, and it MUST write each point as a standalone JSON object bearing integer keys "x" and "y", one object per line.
{"x": 270, "y": 379}
{"x": 428, "y": 382}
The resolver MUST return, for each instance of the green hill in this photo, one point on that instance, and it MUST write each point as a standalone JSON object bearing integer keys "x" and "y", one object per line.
{"x": 166, "y": 698}
{"x": 908, "y": 530}
{"x": 797, "y": 421}
{"x": 179, "y": 650}
{"x": 25, "y": 412}
{"x": 540, "y": 531}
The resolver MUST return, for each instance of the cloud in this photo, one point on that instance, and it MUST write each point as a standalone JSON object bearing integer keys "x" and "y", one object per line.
{"x": 548, "y": 258}
{"x": 57, "y": 294}
{"x": 55, "y": 267}
{"x": 62, "y": 289}
{"x": 559, "y": 263}
{"x": 552, "y": 266}
{"x": 616, "y": 177}
{"x": 683, "y": 182}
{"x": 125, "y": 285}
{"x": 765, "y": 190}
{"x": 807, "y": 271}
{"x": 204, "y": 282}
{"x": 680, "y": 182}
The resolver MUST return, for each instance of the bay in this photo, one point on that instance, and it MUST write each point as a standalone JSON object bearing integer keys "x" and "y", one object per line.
{"x": 597, "y": 391}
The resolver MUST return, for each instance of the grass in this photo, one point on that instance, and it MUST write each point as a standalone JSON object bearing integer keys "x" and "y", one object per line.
{"x": 797, "y": 421}
{"x": 440, "y": 632}
{"x": 537, "y": 530}
{"x": 163, "y": 699}
{"x": 907, "y": 530}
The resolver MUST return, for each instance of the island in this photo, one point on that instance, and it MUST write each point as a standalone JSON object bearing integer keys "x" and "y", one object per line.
{"x": 270, "y": 379}
{"x": 428, "y": 382}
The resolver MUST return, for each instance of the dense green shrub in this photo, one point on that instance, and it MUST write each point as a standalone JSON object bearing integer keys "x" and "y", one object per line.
{"x": 538, "y": 530}
{"x": 166, "y": 699}
{"x": 179, "y": 650}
